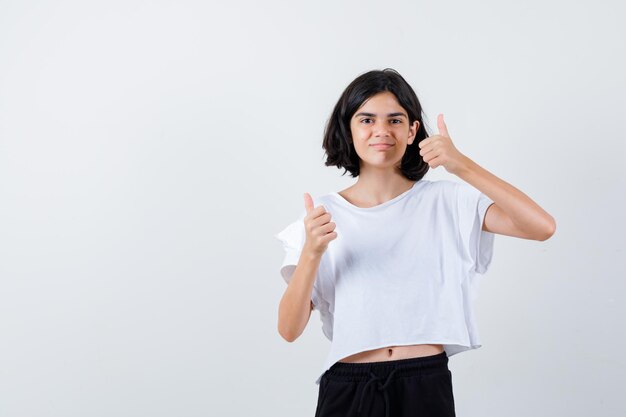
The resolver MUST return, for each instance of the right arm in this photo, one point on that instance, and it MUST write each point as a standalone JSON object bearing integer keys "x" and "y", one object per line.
{"x": 295, "y": 306}
{"x": 294, "y": 310}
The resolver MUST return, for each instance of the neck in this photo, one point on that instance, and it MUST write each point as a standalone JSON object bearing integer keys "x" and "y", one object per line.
{"x": 377, "y": 187}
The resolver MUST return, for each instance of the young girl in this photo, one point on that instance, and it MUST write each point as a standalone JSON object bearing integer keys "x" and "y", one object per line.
{"x": 393, "y": 262}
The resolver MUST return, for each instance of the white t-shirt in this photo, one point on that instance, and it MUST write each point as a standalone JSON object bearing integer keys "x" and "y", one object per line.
{"x": 400, "y": 273}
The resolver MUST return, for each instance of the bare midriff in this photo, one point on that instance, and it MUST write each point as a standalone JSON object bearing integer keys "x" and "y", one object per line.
{"x": 392, "y": 353}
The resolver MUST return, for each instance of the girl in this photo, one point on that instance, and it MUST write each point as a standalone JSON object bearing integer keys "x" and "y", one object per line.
{"x": 396, "y": 286}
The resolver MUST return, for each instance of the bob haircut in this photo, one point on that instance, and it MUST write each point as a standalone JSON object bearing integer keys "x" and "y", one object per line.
{"x": 337, "y": 142}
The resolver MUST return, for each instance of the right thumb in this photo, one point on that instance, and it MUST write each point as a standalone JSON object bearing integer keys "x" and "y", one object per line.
{"x": 308, "y": 202}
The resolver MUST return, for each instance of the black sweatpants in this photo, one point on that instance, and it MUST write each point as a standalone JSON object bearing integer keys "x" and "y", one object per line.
{"x": 400, "y": 388}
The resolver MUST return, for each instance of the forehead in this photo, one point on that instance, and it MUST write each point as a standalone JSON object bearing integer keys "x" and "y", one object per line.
{"x": 383, "y": 100}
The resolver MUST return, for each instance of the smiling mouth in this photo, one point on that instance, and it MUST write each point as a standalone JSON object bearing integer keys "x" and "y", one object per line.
{"x": 382, "y": 145}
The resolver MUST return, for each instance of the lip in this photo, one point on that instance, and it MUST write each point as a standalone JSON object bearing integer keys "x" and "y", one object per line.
{"x": 381, "y": 146}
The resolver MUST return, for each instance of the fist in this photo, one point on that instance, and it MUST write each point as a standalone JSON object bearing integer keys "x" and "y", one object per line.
{"x": 439, "y": 150}
{"x": 319, "y": 229}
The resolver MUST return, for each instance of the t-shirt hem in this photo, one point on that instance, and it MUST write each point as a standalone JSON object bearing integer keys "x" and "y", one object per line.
{"x": 451, "y": 348}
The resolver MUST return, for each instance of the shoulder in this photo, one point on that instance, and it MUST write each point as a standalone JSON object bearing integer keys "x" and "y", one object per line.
{"x": 444, "y": 184}
{"x": 445, "y": 188}
{"x": 447, "y": 194}
{"x": 453, "y": 188}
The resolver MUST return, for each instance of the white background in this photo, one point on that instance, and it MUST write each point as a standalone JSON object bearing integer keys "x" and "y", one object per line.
{"x": 150, "y": 150}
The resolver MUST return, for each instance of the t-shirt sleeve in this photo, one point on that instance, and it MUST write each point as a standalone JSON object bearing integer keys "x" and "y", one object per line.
{"x": 472, "y": 207}
{"x": 293, "y": 237}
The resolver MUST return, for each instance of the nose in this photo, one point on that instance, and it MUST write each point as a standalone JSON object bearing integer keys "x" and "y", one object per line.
{"x": 381, "y": 130}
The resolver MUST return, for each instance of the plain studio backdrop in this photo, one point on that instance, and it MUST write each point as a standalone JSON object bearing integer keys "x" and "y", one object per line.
{"x": 150, "y": 150}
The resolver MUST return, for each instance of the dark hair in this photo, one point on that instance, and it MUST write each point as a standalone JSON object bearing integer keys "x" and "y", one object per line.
{"x": 337, "y": 142}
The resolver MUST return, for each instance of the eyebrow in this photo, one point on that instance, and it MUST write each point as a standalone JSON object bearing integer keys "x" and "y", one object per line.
{"x": 373, "y": 115}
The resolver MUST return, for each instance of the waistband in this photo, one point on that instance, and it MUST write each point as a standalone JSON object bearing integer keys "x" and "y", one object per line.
{"x": 399, "y": 367}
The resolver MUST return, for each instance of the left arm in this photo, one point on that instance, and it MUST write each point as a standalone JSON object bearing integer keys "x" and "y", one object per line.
{"x": 513, "y": 212}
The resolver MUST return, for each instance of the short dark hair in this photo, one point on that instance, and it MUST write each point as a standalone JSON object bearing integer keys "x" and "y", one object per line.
{"x": 337, "y": 141}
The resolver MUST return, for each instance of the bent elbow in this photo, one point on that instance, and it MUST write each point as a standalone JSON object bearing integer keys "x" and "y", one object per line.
{"x": 549, "y": 232}
{"x": 288, "y": 336}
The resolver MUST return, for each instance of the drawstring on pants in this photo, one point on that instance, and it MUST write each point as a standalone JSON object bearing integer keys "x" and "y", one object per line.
{"x": 381, "y": 387}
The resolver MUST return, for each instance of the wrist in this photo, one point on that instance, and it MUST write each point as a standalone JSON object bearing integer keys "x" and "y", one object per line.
{"x": 309, "y": 254}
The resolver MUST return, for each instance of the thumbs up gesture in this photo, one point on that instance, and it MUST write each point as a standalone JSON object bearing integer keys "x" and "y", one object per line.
{"x": 439, "y": 150}
{"x": 319, "y": 228}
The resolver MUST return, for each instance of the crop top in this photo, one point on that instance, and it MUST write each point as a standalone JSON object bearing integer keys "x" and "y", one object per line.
{"x": 400, "y": 273}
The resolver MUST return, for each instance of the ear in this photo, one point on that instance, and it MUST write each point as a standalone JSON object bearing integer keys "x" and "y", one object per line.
{"x": 413, "y": 131}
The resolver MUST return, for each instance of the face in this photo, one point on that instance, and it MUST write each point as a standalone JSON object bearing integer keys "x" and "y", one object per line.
{"x": 381, "y": 131}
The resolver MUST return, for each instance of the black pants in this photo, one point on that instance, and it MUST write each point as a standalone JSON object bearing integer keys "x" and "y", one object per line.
{"x": 412, "y": 387}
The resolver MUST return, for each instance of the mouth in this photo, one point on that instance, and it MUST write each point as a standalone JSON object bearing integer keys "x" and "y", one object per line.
{"x": 382, "y": 145}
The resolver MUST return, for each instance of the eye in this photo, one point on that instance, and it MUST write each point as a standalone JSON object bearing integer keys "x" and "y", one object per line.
{"x": 396, "y": 120}
{"x": 363, "y": 120}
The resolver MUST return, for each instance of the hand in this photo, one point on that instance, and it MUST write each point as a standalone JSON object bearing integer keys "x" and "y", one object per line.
{"x": 319, "y": 228}
{"x": 438, "y": 150}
